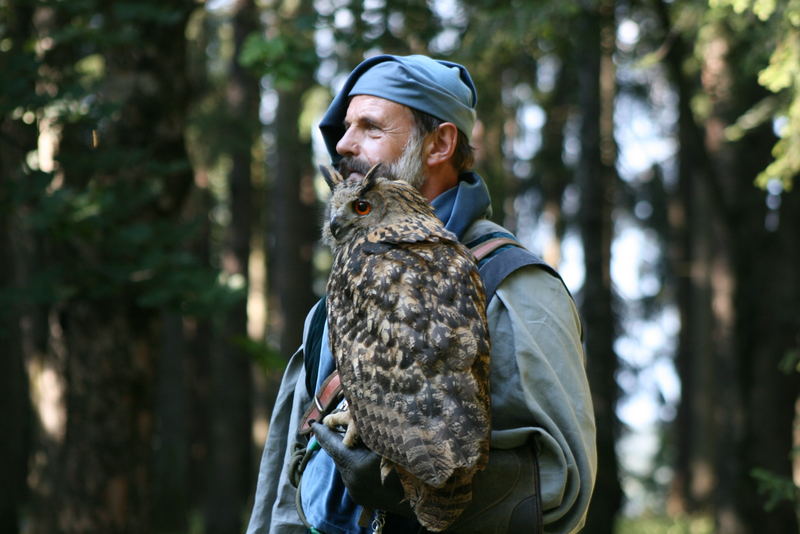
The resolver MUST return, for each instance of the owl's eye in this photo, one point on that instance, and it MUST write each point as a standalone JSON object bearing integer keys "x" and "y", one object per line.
{"x": 361, "y": 206}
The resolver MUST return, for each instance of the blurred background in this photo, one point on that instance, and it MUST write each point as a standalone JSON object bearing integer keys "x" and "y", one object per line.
{"x": 159, "y": 219}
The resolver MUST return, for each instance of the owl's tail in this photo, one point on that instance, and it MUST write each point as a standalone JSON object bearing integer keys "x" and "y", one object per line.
{"x": 437, "y": 508}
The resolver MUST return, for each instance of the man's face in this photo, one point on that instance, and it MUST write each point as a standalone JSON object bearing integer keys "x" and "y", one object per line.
{"x": 379, "y": 131}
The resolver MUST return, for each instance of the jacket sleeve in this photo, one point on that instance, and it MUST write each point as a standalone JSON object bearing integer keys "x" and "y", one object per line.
{"x": 540, "y": 390}
{"x": 274, "y": 509}
{"x": 274, "y": 506}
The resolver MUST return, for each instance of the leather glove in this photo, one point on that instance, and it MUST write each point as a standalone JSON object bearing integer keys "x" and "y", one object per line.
{"x": 360, "y": 469}
{"x": 504, "y": 495}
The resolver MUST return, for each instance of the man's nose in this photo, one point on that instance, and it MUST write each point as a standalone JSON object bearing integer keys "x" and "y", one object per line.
{"x": 347, "y": 145}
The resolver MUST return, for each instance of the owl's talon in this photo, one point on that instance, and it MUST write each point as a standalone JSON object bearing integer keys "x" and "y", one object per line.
{"x": 344, "y": 419}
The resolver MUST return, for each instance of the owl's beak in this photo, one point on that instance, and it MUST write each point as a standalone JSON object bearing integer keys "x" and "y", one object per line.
{"x": 335, "y": 227}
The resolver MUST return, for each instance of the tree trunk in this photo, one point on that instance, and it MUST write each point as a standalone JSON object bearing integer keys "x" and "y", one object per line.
{"x": 775, "y": 344}
{"x": 198, "y": 332}
{"x": 488, "y": 140}
{"x": 768, "y": 340}
{"x": 597, "y": 178}
{"x": 106, "y": 463}
{"x": 231, "y": 407}
{"x": 105, "y": 474}
{"x": 14, "y": 392}
{"x": 553, "y": 175}
{"x": 170, "y": 443}
{"x": 489, "y": 160}
{"x": 294, "y": 222}
{"x": 767, "y": 300}
{"x": 689, "y": 259}
{"x": 22, "y": 338}
{"x": 755, "y": 301}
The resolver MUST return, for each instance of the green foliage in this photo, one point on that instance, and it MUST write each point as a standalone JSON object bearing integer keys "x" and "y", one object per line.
{"x": 18, "y": 68}
{"x": 762, "y": 8}
{"x": 149, "y": 13}
{"x": 781, "y": 76}
{"x": 665, "y": 525}
{"x": 775, "y": 488}
{"x": 100, "y": 216}
{"x": 286, "y": 58}
{"x": 264, "y": 355}
{"x": 790, "y": 362}
{"x": 106, "y": 249}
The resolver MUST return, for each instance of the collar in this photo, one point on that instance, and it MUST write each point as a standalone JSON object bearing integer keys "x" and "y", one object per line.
{"x": 461, "y": 205}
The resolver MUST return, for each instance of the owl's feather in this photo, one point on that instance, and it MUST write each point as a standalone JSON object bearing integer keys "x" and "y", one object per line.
{"x": 408, "y": 331}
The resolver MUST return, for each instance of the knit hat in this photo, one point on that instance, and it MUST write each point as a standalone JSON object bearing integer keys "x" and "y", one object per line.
{"x": 440, "y": 88}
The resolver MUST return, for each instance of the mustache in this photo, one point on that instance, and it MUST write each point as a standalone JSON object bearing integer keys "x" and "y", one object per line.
{"x": 350, "y": 164}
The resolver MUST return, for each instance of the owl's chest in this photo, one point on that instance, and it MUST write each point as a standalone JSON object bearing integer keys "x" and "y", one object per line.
{"x": 379, "y": 270}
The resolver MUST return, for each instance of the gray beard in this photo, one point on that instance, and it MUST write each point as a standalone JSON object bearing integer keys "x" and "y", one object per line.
{"x": 409, "y": 167}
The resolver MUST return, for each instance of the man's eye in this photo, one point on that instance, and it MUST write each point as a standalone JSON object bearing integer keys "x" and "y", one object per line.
{"x": 361, "y": 206}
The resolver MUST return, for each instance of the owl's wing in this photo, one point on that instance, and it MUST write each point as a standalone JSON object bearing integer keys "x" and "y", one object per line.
{"x": 413, "y": 229}
{"x": 409, "y": 334}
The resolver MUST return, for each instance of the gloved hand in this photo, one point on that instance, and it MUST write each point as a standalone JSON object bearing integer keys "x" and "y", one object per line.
{"x": 360, "y": 469}
{"x": 504, "y": 495}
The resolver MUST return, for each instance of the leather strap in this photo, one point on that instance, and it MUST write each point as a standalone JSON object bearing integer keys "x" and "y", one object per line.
{"x": 490, "y": 245}
{"x": 329, "y": 395}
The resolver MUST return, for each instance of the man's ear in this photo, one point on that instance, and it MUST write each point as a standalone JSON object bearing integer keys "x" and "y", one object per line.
{"x": 442, "y": 144}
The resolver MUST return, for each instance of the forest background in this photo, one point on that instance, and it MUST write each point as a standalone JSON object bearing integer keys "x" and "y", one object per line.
{"x": 159, "y": 223}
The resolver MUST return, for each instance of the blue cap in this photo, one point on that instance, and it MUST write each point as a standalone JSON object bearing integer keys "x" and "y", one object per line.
{"x": 440, "y": 88}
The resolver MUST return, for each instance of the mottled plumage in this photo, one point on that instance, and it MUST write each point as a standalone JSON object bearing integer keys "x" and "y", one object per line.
{"x": 408, "y": 330}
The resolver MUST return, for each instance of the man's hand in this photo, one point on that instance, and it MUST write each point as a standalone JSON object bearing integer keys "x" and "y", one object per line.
{"x": 504, "y": 494}
{"x": 360, "y": 470}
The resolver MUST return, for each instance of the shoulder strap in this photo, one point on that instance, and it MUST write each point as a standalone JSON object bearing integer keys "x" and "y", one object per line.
{"x": 312, "y": 345}
{"x": 499, "y": 254}
{"x": 485, "y": 248}
{"x": 323, "y": 402}
{"x": 506, "y": 261}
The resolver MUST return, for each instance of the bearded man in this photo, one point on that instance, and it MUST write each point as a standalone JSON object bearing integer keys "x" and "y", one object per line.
{"x": 416, "y": 114}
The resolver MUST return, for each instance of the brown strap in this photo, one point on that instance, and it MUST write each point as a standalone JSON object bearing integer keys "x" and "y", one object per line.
{"x": 330, "y": 392}
{"x": 490, "y": 245}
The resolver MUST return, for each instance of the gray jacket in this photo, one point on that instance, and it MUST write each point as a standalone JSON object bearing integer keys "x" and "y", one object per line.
{"x": 539, "y": 391}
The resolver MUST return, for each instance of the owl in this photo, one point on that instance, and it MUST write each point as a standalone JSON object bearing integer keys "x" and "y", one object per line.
{"x": 408, "y": 331}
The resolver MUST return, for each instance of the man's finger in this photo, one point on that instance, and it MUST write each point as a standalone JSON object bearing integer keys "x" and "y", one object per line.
{"x": 344, "y": 456}
{"x": 330, "y": 440}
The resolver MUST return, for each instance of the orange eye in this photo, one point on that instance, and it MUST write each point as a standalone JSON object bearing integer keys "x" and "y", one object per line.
{"x": 362, "y": 207}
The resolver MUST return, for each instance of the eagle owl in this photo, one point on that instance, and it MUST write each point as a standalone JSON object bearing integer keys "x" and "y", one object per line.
{"x": 408, "y": 330}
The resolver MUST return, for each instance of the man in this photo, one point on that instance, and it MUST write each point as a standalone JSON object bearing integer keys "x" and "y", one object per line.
{"x": 416, "y": 115}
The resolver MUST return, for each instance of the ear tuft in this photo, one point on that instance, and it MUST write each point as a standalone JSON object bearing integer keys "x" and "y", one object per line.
{"x": 332, "y": 177}
{"x": 370, "y": 178}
